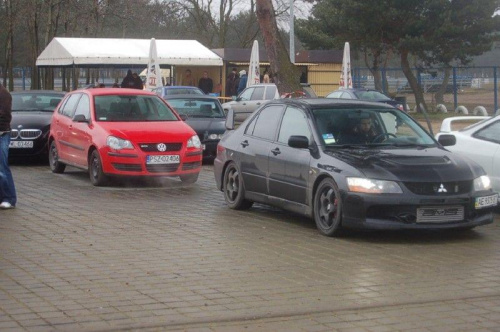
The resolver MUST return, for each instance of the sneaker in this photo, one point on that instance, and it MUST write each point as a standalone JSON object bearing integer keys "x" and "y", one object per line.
{"x": 6, "y": 205}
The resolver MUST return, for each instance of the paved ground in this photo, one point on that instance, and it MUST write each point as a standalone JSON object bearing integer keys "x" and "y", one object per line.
{"x": 165, "y": 256}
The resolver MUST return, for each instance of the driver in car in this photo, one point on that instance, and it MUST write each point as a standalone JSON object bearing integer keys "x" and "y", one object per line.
{"x": 362, "y": 133}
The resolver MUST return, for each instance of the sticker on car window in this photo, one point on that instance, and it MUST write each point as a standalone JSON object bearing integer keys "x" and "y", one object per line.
{"x": 328, "y": 138}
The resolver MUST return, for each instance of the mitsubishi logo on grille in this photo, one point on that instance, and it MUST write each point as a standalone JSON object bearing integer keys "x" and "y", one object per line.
{"x": 442, "y": 189}
{"x": 161, "y": 147}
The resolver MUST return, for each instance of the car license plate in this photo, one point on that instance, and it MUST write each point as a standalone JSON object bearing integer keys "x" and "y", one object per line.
{"x": 163, "y": 159}
{"x": 21, "y": 144}
{"x": 482, "y": 202}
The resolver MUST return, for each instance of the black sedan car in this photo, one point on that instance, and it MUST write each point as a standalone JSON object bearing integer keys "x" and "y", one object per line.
{"x": 350, "y": 164}
{"x": 205, "y": 115}
{"x": 365, "y": 95}
{"x": 31, "y": 116}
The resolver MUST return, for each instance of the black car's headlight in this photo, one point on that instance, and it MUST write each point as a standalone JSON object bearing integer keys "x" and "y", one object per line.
{"x": 215, "y": 136}
{"x": 482, "y": 183}
{"x": 370, "y": 186}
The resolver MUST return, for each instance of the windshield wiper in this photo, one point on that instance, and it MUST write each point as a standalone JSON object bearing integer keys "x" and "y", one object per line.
{"x": 406, "y": 145}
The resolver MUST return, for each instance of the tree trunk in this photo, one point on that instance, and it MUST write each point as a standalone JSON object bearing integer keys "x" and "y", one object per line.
{"x": 9, "y": 50}
{"x": 439, "y": 95}
{"x": 285, "y": 74}
{"x": 374, "y": 70}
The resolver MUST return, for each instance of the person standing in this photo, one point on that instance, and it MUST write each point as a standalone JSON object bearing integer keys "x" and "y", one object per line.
{"x": 128, "y": 80}
{"x": 188, "y": 79}
{"x": 206, "y": 84}
{"x": 265, "y": 78}
{"x": 243, "y": 81}
{"x": 138, "y": 84}
{"x": 8, "y": 197}
{"x": 232, "y": 83}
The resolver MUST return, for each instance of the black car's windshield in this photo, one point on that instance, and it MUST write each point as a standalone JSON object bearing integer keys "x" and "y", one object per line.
{"x": 29, "y": 101}
{"x": 369, "y": 127}
{"x": 197, "y": 107}
{"x": 371, "y": 95}
{"x": 121, "y": 108}
{"x": 183, "y": 91}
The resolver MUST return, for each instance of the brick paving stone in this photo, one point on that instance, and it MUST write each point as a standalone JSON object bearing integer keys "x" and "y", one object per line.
{"x": 145, "y": 255}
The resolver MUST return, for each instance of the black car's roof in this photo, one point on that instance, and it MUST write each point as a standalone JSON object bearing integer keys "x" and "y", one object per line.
{"x": 325, "y": 102}
{"x": 190, "y": 96}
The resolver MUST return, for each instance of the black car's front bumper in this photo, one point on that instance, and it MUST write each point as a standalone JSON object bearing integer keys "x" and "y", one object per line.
{"x": 40, "y": 147}
{"x": 394, "y": 212}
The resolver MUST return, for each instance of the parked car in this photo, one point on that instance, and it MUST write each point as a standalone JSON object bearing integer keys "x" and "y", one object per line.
{"x": 31, "y": 116}
{"x": 366, "y": 95}
{"x": 256, "y": 95}
{"x": 205, "y": 116}
{"x": 300, "y": 155}
{"x": 127, "y": 132}
{"x": 168, "y": 90}
{"x": 479, "y": 141}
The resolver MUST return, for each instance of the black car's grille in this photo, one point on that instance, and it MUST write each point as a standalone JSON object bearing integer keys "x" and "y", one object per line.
{"x": 127, "y": 167}
{"x": 162, "y": 168}
{"x": 188, "y": 166}
{"x": 25, "y": 133}
{"x": 153, "y": 147}
{"x": 30, "y": 133}
{"x": 439, "y": 188}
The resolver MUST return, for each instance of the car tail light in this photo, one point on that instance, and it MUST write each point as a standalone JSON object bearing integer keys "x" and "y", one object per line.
{"x": 220, "y": 149}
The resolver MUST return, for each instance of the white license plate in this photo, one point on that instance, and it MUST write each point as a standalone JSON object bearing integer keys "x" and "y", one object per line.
{"x": 482, "y": 202}
{"x": 163, "y": 159}
{"x": 21, "y": 144}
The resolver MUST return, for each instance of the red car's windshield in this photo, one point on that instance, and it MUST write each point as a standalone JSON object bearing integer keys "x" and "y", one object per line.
{"x": 123, "y": 108}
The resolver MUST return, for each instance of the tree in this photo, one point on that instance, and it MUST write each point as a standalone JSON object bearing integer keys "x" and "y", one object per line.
{"x": 285, "y": 74}
{"x": 433, "y": 31}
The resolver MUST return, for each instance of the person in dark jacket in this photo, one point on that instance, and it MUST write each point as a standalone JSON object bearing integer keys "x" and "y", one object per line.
{"x": 8, "y": 197}
{"x": 232, "y": 81}
{"x": 243, "y": 81}
{"x": 205, "y": 83}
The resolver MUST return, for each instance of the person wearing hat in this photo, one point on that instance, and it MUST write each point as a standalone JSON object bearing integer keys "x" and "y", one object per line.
{"x": 243, "y": 81}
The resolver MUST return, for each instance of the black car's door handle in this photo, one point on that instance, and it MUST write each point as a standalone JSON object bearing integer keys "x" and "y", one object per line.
{"x": 276, "y": 151}
{"x": 244, "y": 143}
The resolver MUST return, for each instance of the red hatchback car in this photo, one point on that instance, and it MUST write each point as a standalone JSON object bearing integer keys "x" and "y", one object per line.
{"x": 124, "y": 132}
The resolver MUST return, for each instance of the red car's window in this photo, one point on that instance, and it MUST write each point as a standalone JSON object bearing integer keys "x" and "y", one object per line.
{"x": 122, "y": 108}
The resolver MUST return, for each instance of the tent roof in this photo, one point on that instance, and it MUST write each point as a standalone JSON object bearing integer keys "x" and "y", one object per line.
{"x": 113, "y": 51}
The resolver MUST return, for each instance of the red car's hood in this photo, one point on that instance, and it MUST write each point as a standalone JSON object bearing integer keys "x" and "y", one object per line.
{"x": 161, "y": 131}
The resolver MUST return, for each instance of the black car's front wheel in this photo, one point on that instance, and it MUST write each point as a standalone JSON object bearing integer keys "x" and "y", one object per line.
{"x": 234, "y": 192}
{"x": 328, "y": 208}
{"x": 55, "y": 165}
{"x": 97, "y": 176}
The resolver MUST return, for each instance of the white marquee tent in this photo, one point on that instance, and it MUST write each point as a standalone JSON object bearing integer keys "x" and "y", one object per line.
{"x": 95, "y": 52}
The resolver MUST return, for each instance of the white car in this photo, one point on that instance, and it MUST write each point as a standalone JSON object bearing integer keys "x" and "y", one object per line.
{"x": 479, "y": 141}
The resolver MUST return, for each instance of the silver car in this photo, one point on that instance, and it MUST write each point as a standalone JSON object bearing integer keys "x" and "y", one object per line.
{"x": 250, "y": 99}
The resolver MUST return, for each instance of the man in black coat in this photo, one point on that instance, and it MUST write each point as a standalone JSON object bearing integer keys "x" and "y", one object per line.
{"x": 8, "y": 197}
{"x": 206, "y": 84}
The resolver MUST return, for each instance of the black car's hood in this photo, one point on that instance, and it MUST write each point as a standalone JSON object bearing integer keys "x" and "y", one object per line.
{"x": 207, "y": 126}
{"x": 429, "y": 165}
{"x": 31, "y": 120}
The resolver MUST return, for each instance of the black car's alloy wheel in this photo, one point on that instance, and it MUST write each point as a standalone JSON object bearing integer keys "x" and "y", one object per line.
{"x": 55, "y": 165}
{"x": 234, "y": 192}
{"x": 97, "y": 176}
{"x": 328, "y": 208}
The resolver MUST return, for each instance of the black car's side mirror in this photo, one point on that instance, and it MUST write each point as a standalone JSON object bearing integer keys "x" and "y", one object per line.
{"x": 230, "y": 120}
{"x": 183, "y": 117}
{"x": 80, "y": 118}
{"x": 447, "y": 140}
{"x": 299, "y": 142}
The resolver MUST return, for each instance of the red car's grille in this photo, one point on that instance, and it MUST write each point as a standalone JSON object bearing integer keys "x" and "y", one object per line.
{"x": 127, "y": 167}
{"x": 153, "y": 147}
{"x": 188, "y": 166}
{"x": 162, "y": 168}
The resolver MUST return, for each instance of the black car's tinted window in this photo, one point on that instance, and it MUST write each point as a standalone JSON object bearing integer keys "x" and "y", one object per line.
{"x": 270, "y": 92}
{"x": 83, "y": 107}
{"x": 490, "y": 133}
{"x": 197, "y": 107}
{"x": 294, "y": 123}
{"x": 69, "y": 106}
{"x": 267, "y": 122}
{"x": 31, "y": 101}
{"x": 258, "y": 93}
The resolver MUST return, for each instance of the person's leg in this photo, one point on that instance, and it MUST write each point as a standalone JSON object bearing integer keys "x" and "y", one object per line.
{"x": 7, "y": 188}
